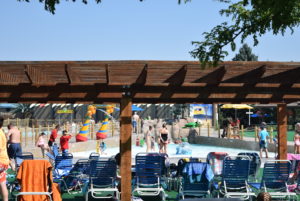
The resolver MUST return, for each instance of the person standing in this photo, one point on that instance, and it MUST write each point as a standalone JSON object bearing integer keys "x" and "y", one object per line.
{"x": 297, "y": 139}
{"x": 53, "y": 136}
{"x": 4, "y": 162}
{"x": 41, "y": 143}
{"x": 64, "y": 142}
{"x": 263, "y": 143}
{"x": 149, "y": 139}
{"x": 135, "y": 119}
{"x": 164, "y": 138}
{"x": 14, "y": 143}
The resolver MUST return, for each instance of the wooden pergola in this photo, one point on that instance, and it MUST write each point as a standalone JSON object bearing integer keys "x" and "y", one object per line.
{"x": 128, "y": 82}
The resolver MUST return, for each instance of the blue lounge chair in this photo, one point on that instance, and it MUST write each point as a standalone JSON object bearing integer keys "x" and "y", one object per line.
{"x": 255, "y": 162}
{"x": 102, "y": 179}
{"x": 94, "y": 156}
{"x": 77, "y": 177}
{"x": 196, "y": 177}
{"x": 148, "y": 168}
{"x": 63, "y": 165}
{"x": 23, "y": 156}
{"x": 274, "y": 179}
{"x": 235, "y": 178}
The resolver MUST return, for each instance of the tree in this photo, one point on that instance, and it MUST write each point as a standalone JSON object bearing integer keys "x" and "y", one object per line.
{"x": 24, "y": 109}
{"x": 245, "y": 54}
{"x": 248, "y": 18}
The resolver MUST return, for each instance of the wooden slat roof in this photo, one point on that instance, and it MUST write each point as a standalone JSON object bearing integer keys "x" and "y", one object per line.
{"x": 149, "y": 82}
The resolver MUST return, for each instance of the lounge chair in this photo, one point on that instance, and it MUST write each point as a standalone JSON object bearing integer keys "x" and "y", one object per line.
{"x": 274, "y": 179}
{"x": 255, "y": 162}
{"x": 94, "y": 156}
{"x": 102, "y": 179}
{"x": 148, "y": 168}
{"x": 77, "y": 177}
{"x": 196, "y": 177}
{"x": 215, "y": 159}
{"x": 35, "y": 178}
{"x": 63, "y": 165}
{"x": 235, "y": 178}
{"x": 23, "y": 156}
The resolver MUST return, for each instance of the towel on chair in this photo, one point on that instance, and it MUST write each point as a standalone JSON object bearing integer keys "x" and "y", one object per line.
{"x": 36, "y": 176}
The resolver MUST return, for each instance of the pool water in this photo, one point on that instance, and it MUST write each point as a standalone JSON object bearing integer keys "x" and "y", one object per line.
{"x": 200, "y": 151}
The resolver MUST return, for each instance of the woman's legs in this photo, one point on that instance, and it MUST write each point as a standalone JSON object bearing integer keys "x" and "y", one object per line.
{"x": 4, "y": 191}
{"x": 148, "y": 143}
{"x": 165, "y": 147}
{"x": 43, "y": 152}
{"x": 161, "y": 146}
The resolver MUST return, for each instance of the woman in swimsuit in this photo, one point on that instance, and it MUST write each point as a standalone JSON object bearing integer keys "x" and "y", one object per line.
{"x": 164, "y": 139}
{"x": 297, "y": 139}
{"x": 42, "y": 144}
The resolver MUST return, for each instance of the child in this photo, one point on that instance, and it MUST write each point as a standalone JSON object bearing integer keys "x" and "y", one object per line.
{"x": 102, "y": 148}
{"x": 41, "y": 143}
{"x": 263, "y": 143}
{"x": 64, "y": 142}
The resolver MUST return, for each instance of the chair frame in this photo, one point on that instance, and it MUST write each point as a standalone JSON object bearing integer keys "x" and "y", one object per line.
{"x": 79, "y": 176}
{"x": 227, "y": 191}
{"x": 285, "y": 192}
{"x": 196, "y": 193}
{"x": 57, "y": 167}
{"x": 153, "y": 189}
{"x": 93, "y": 188}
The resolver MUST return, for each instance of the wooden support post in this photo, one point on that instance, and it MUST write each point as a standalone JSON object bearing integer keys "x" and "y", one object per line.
{"x": 112, "y": 128}
{"x": 199, "y": 132}
{"x": 242, "y": 132}
{"x": 125, "y": 147}
{"x": 98, "y": 146}
{"x": 255, "y": 133}
{"x": 219, "y": 131}
{"x": 229, "y": 131}
{"x": 282, "y": 131}
{"x": 208, "y": 130}
{"x": 271, "y": 134}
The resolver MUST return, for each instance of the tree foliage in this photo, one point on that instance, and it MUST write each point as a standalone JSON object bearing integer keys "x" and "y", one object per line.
{"x": 249, "y": 18}
{"x": 246, "y": 18}
{"x": 245, "y": 54}
{"x": 24, "y": 110}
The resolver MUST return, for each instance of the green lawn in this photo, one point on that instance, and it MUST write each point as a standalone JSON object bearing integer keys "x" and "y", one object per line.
{"x": 290, "y": 134}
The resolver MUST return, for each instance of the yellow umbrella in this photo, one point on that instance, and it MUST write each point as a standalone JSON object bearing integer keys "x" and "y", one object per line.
{"x": 236, "y": 106}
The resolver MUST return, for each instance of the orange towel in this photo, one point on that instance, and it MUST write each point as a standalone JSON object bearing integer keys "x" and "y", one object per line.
{"x": 36, "y": 176}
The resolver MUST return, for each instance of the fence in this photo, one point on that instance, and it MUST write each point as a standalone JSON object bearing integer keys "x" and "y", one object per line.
{"x": 31, "y": 128}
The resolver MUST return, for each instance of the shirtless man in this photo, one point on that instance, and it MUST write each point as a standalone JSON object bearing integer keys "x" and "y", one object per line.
{"x": 14, "y": 142}
{"x": 135, "y": 119}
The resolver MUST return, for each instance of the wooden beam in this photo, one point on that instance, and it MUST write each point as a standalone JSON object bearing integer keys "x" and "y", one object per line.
{"x": 125, "y": 147}
{"x": 282, "y": 131}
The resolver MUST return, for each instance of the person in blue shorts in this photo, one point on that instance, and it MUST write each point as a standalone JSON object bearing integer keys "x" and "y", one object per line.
{"x": 263, "y": 142}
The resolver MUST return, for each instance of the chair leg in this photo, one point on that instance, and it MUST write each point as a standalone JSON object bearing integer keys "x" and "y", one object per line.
{"x": 87, "y": 196}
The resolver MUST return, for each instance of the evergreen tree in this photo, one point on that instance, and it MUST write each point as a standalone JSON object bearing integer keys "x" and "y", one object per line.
{"x": 245, "y": 54}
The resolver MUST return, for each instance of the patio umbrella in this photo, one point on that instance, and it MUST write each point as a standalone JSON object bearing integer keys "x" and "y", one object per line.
{"x": 236, "y": 107}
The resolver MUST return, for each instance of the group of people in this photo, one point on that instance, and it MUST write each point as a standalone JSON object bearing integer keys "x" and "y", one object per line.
{"x": 235, "y": 126}
{"x": 64, "y": 140}
{"x": 163, "y": 139}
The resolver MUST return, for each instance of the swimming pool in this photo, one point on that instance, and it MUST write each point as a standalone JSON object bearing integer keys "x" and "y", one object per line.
{"x": 200, "y": 151}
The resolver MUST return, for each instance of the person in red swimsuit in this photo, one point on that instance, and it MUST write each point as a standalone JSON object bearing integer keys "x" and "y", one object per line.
{"x": 53, "y": 135}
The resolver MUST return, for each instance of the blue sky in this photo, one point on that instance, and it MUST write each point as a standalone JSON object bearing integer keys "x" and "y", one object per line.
{"x": 119, "y": 30}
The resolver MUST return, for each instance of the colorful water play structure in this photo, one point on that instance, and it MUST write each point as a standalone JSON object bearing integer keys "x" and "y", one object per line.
{"x": 82, "y": 135}
{"x": 102, "y": 132}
